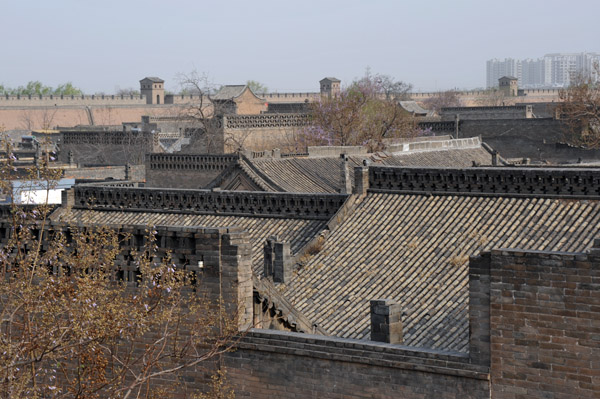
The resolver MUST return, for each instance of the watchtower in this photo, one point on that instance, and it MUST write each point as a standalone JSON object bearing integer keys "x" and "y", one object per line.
{"x": 154, "y": 90}
{"x": 330, "y": 87}
{"x": 508, "y": 85}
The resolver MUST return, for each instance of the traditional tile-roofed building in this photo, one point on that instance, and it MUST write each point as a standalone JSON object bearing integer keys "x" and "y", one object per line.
{"x": 298, "y": 232}
{"x": 238, "y": 99}
{"x": 325, "y": 173}
{"x": 397, "y": 258}
{"x": 414, "y": 108}
{"x": 294, "y": 221}
{"x": 415, "y": 249}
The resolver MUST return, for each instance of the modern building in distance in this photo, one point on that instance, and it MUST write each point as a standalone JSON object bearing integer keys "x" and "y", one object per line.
{"x": 552, "y": 70}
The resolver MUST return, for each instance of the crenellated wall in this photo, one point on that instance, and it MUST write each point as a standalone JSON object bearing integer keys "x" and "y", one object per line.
{"x": 62, "y": 100}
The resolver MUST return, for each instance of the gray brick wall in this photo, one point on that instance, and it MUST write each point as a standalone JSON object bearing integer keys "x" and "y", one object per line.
{"x": 544, "y": 323}
{"x": 271, "y": 364}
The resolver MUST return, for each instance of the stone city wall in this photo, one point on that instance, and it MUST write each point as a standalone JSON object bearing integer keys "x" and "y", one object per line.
{"x": 62, "y": 100}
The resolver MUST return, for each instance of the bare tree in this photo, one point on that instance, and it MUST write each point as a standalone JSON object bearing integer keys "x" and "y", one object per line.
{"x": 491, "y": 98}
{"x": 257, "y": 87}
{"x": 443, "y": 99}
{"x": 207, "y": 134}
{"x": 580, "y": 110}
{"x": 38, "y": 118}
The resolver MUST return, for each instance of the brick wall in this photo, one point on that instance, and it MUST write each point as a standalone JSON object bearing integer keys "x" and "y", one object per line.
{"x": 533, "y": 138}
{"x": 500, "y": 112}
{"x": 185, "y": 170}
{"x": 130, "y": 173}
{"x": 101, "y": 147}
{"x": 544, "y": 320}
{"x": 272, "y": 364}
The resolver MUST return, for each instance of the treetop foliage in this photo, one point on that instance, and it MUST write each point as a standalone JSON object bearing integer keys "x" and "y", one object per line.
{"x": 364, "y": 113}
{"x": 73, "y": 324}
{"x": 257, "y": 87}
{"x": 580, "y": 110}
{"x": 37, "y": 88}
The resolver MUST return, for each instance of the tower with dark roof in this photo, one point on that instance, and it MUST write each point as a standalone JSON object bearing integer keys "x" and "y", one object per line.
{"x": 154, "y": 90}
{"x": 330, "y": 87}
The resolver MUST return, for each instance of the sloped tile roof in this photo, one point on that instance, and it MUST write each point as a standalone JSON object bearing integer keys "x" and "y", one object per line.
{"x": 414, "y": 249}
{"x": 153, "y": 79}
{"x": 229, "y": 92}
{"x": 298, "y": 232}
{"x": 323, "y": 175}
{"x": 413, "y": 107}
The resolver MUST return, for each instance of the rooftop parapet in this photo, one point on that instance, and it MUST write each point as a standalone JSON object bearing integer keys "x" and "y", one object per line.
{"x": 508, "y": 182}
{"x": 231, "y": 203}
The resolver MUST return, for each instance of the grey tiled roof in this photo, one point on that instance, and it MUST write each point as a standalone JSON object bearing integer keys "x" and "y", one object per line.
{"x": 413, "y": 107}
{"x": 323, "y": 175}
{"x": 229, "y": 92}
{"x": 330, "y": 79}
{"x": 154, "y": 79}
{"x": 297, "y": 232}
{"x": 414, "y": 249}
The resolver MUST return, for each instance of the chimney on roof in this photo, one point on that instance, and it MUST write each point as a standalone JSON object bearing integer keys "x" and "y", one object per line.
{"x": 386, "y": 321}
{"x": 494, "y": 158}
{"x": 361, "y": 180}
{"x": 345, "y": 176}
{"x": 277, "y": 260}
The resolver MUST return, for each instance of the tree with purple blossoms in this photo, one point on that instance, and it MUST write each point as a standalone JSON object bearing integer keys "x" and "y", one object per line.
{"x": 364, "y": 113}
{"x": 73, "y": 327}
{"x": 443, "y": 99}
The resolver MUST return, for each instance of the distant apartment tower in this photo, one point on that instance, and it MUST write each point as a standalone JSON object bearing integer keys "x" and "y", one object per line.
{"x": 552, "y": 70}
{"x": 497, "y": 69}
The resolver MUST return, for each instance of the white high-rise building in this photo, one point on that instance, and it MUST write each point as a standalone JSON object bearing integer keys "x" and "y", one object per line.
{"x": 552, "y": 70}
{"x": 497, "y": 69}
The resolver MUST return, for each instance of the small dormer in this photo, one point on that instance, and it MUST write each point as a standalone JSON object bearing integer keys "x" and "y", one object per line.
{"x": 330, "y": 87}
{"x": 154, "y": 90}
{"x": 509, "y": 86}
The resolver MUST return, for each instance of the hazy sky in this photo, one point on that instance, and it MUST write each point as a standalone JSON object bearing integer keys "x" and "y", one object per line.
{"x": 287, "y": 45}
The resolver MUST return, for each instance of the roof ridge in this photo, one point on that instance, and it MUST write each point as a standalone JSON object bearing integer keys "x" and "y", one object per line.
{"x": 258, "y": 177}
